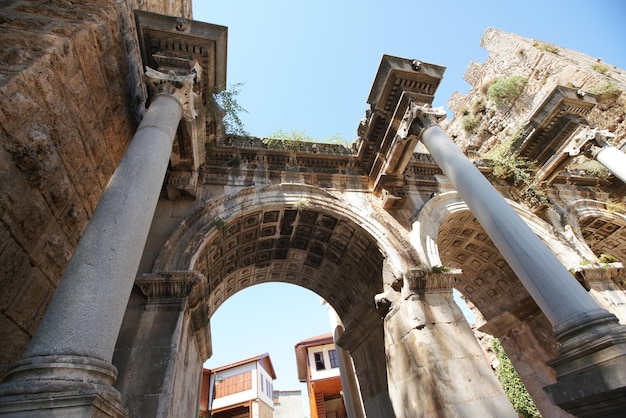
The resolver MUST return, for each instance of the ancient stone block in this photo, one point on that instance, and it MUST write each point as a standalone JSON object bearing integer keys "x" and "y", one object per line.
{"x": 18, "y": 338}
{"x": 52, "y": 252}
{"x": 29, "y": 304}
{"x": 19, "y": 198}
{"x": 87, "y": 186}
{"x": 14, "y": 267}
{"x": 16, "y": 108}
{"x": 73, "y": 220}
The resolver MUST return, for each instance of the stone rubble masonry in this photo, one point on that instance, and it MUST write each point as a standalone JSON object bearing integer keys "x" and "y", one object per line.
{"x": 509, "y": 55}
{"x": 66, "y": 117}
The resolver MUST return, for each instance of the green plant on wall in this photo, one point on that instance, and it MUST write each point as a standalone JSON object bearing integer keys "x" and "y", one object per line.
{"x": 544, "y": 46}
{"x": 518, "y": 170}
{"x": 507, "y": 90}
{"x": 590, "y": 167}
{"x": 294, "y": 136}
{"x": 512, "y": 384}
{"x": 219, "y": 224}
{"x": 292, "y": 140}
{"x": 601, "y": 68}
{"x": 605, "y": 90}
{"x": 470, "y": 122}
{"x": 302, "y": 204}
{"x": 614, "y": 206}
{"x": 439, "y": 269}
{"x": 227, "y": 100}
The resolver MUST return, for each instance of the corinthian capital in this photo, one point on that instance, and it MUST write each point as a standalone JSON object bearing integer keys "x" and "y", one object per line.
{"x": 418, "y": 117}
{"x": 181, "y": 87}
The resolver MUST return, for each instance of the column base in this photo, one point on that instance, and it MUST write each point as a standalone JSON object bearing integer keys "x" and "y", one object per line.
{"x": 591, "y": 369}
{"x": 65, "y": 404}
{"x": 68, "y": 386}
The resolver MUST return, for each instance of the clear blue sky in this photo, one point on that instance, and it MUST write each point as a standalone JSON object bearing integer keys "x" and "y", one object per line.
{"x": 309, "y": 65}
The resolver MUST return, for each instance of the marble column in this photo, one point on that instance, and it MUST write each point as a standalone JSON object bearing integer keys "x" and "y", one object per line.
{"x": 435, "y": 365}
{"x": 611, "y": 158}
{"x": 592, "y": 341}
{"x": 70, "y": 354}
{"x": 349, "y": 383}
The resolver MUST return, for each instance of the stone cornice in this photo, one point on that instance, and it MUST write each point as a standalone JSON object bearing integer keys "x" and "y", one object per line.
{"x": 165, "y": 286}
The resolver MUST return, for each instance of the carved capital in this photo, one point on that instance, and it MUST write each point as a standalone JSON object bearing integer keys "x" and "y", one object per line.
{"x": 588, "y": 141}
{"x": 421, "y": 281}
{"x": 419, "y": 117}
{"x": 593, "y": 273}
{"x": 181, "y": 87}
{"x": 169, "y": 288}
{"x": 186, "y": 291}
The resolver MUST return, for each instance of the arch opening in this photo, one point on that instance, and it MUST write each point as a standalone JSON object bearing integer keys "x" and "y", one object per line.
{"x": 314, "y": 249}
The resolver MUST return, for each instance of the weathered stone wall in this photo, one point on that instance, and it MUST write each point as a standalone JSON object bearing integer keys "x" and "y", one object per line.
{"x": 509, "y": 55}
{"x": 70, "y": 96}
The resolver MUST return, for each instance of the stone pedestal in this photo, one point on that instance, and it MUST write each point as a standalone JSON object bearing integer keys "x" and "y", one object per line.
{"x": 591, "y": 369}
{"x": 434, "y": 363}
{"x": 69, "y": 405}
{"x": 163, "y": 342}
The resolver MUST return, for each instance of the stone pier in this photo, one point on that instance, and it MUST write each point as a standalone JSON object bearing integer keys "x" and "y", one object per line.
{"x": 349, "y": 382}
{"x": 435, "y": 366}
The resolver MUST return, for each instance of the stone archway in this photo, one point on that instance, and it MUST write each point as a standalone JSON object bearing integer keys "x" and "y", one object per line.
{"x": 452, "y": 237}
{"x": 291, "y": 233}
{"x": 335, "y": 246}
{"x": 604, "y": 233}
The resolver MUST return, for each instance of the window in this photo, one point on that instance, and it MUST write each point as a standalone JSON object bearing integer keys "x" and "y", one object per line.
{"x": 319, "y": 361}
{"x": 233, "y": 384}
{"x": 334, "y": 360}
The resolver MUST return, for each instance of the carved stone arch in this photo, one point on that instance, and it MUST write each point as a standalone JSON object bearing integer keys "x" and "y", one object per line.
{"x": 603, "y": 231}
{"x": 179, "y": 250}
{"x": 338, "y": 245}
{"x": 602, "y": 270}
{"x": 425, "y": 232}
